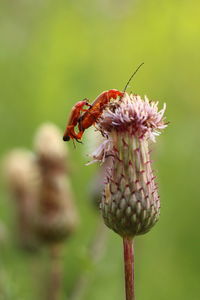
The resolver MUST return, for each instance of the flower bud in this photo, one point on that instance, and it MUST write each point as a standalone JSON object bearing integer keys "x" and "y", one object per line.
{"x": 130, "y": 204}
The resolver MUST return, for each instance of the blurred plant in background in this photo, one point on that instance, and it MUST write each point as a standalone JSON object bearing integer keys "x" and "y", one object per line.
{"x": 23, "y": 177}
{"x": 54, "y": 54}
{"x": 55, "y": 215}
{"x": 44, "y": 204}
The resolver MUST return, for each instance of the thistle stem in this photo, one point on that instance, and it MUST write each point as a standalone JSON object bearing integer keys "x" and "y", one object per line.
{"x": 129, "y": 267}
{"x": 55, "y": 276}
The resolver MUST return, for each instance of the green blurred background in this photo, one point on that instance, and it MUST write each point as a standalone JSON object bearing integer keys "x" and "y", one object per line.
{"x": 54, "y": 53}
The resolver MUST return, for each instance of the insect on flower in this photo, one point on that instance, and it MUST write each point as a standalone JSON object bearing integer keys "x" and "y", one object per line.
{"x": 73, "y": 121}
{"x": 94, "y": 112}
{"x": 91, "y": 115}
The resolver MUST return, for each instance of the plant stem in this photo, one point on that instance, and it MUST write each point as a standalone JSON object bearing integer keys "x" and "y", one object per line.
{"x": 55, "y": 276}
{"x": 129, "y": 267}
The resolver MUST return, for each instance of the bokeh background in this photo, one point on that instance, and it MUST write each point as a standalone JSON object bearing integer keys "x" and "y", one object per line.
{"x": 55, "y": 53}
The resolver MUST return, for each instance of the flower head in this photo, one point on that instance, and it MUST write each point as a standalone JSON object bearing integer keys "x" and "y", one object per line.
{"x": 130, "y": 203}
{"x": 140, "y": 117}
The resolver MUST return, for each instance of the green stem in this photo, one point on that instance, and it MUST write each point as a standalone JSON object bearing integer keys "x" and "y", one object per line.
{"x": 55, "y": 276}
{"x": 129, "y": 267}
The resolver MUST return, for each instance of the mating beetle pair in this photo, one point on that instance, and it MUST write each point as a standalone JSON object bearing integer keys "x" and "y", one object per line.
{"x": 89, "y": 116}
{"x": 84, "y": 118}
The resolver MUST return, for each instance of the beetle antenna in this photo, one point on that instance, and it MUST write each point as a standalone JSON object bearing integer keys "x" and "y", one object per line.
{"x": 132, "y": 77}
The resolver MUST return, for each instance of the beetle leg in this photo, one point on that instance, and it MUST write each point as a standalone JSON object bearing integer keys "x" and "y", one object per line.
{"x": 79, "y": 135}
{"x": 80, "y": 142}
{"x": 71, "y": 133}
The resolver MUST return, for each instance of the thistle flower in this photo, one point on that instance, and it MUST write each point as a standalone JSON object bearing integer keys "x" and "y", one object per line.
{"x": 56, "y": 216}
{"x": 130, "y": 204}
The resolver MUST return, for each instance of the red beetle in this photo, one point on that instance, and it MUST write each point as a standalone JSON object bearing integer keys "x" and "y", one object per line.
{"x": 73, "y": 120}
{"x": 90, "y": 115}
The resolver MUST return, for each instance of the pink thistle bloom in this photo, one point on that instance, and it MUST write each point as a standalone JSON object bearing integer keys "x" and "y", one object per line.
{"x": 130, "y": 204}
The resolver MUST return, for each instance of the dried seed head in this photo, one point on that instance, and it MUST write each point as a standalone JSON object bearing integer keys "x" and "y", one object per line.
{"x": 23, "y": 180}
{"x": 56, "y": 216}
{"x": 130, "y": 204}
{"x": 49, "y": 148}
{"x": 21, "y": 171}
